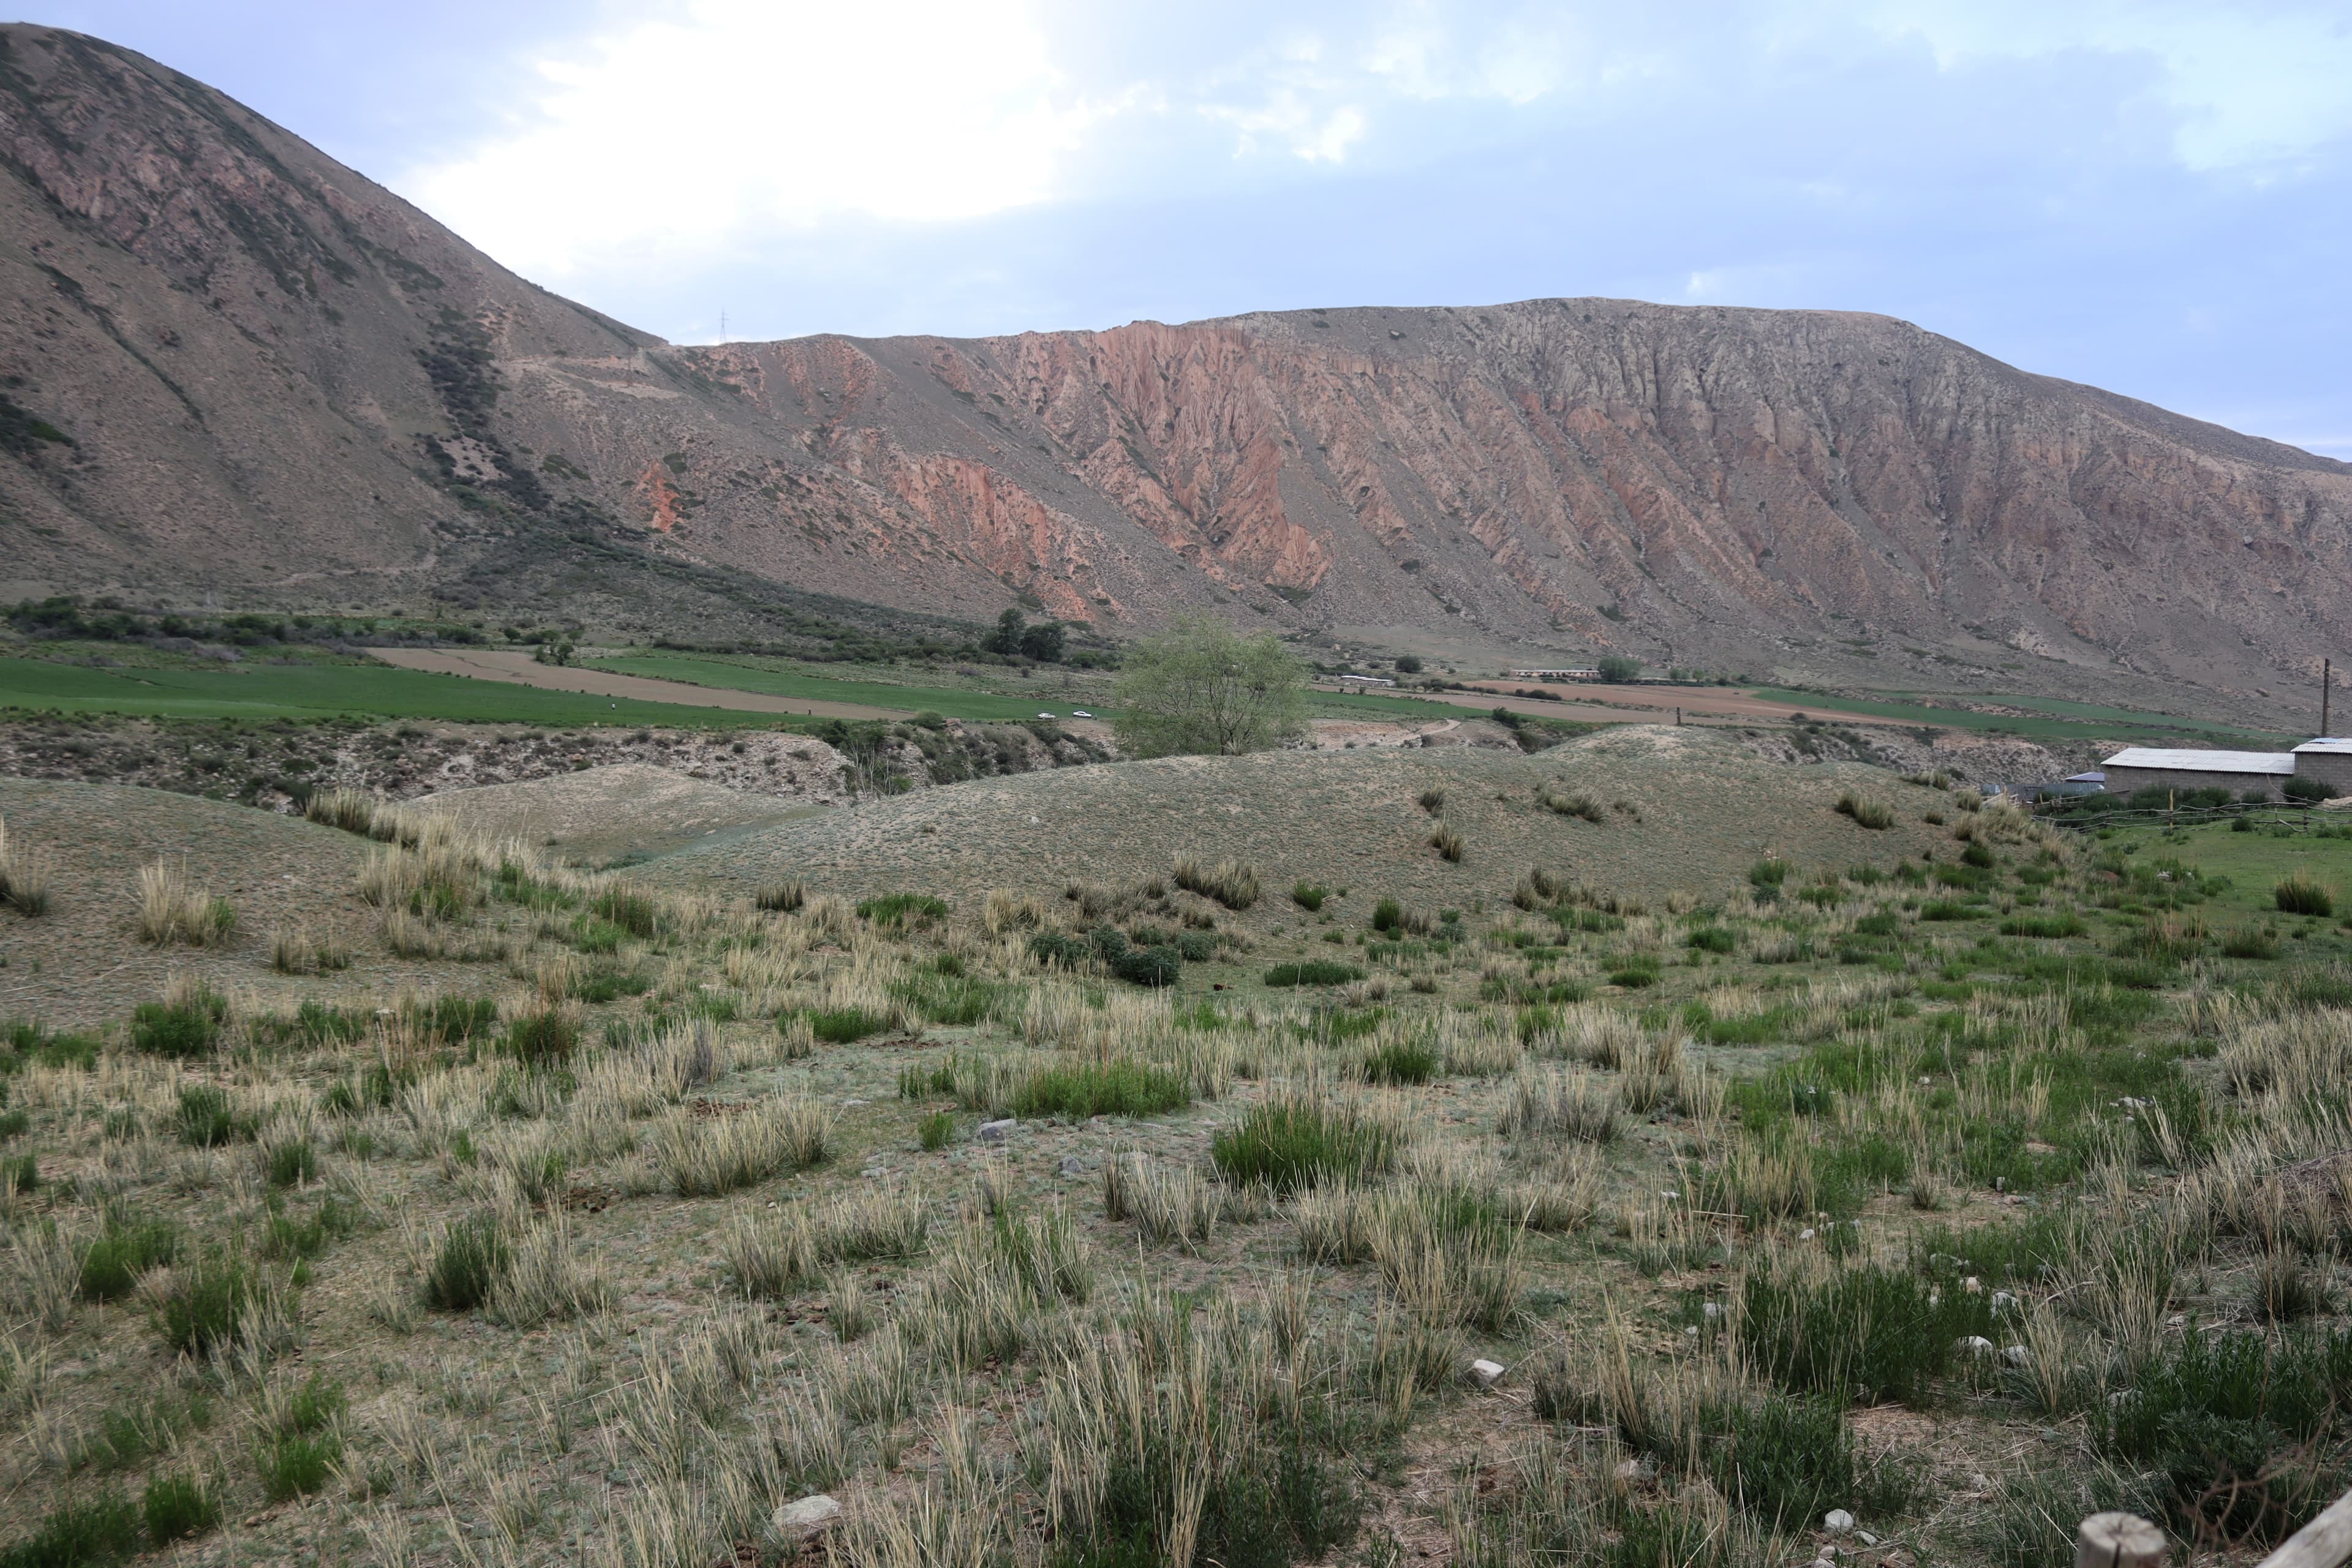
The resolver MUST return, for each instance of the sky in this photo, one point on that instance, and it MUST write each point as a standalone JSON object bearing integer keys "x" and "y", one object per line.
{"x": 2149, "y": 196}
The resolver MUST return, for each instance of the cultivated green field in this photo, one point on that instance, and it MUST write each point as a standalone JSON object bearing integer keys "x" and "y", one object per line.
{"x": 2096, "y": 725}
{"x": 2254, "y": 863}
{"x": 312, "y": 690}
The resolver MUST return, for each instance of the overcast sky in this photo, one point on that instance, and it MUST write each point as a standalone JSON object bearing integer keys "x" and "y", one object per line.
{"x": 2151, "y": 197}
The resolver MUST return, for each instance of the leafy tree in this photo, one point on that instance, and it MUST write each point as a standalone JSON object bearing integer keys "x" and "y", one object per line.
{"x": 1616, "y": 667}
{"x": 1043, "y": 642}
{"x": 1198, "y": 689}
{"x": 1006, "y": 638}
{"x": 1408, "y": 663}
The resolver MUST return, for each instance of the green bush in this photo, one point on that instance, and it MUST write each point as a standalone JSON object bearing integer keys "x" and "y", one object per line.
{"x": 901, "y": 909}
{"x": 936, "y": 1131}
{"x": 605, "y": 982}
{"x": 544, "y": 1038}
{"x": 2047, "y": 927}
{"x": 292, "y": 1163}
{"x": 21, "y": 1174}
{"x": 1102, "y": 1089}
{"x": 1287, "y": 1145}
{"x": 1388, "y": 915}
{"x": 1854, "y": 1333}
{"x": 1869, "y": 813}
{"x": 1401, "y": 1062}
{"x": 1154, "y": 966}
{"x": 1947, "y": 910}
{"x": 296, "y": 1464}
{"x": 1634, "y": 977}
{"x": 1313, "y": 971}
{"x": 100, "y": 1528}
{"x": 177, "y": 1507}
{"x": 1711, "y": 939}
{"x": 1058, "y": 947}
{"x": 2301, "y": 895}
{"x": 2251, "y": 942}
{"x": 468, "y": 1265}
{"x": 1767, "y": 873}
{"x": 185, "y": 1031}
{"x": 1308, "y": 897}
{"x": 206, "y": 1119}
{"x": 2239, "y": 1425}
{"x": 111, "y": 1266}
{"x": 2305, "y": 790}
{"x": 631, "y": 909}
{"x": 844, "y": 1025}
{"x": 204, "y": 1311}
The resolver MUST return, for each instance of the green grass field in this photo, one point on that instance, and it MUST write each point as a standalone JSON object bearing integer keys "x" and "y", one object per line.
{"x": 2122, "y": 725}
{"x": 956, "y": 702}
{"x": 733, "y": 675}
{"x": 305, "y": 691}
{"x": 2253, "y": 862}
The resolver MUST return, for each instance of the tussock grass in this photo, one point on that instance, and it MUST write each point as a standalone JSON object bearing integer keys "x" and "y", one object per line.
{"x": 24, "y": 876}
{"x": 1168, "y": 1203}
{"x": 773, "y": 1252}
{"x": 1865, "y": 1332}
{"x": 1570, "y": 1105}
{"x": 706, "y": 1156}
{"x": 2301, "y": 894}
{"x": 1300, "y": 1140}
{"x": 1446, "y": 842}
{"x": 171, "y": 910}
{"x": 1232, "y": 883}
{"x": 1873, "y": 813}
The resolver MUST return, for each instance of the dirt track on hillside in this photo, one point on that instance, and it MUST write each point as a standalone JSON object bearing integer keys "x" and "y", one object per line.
{"x": 524, "y": 670}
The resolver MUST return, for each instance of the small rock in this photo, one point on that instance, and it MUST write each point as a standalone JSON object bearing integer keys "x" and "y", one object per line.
{"x": 2017, "y": 1355}
{"x": 1485, "y": 1372}
{"x": 1713, "y": 1309}
{"x": 998, "y": 1131}
{"x": 1073, "y": 1166}
{"x": 2002, "y": 1300}
{"x": 854, "y": 1102}
{"x": 1972, "y": 1285}
{"x": 1837, "y": 1522}
{"x": 1806, "y": 1233}
{"x": 1865, "y": 1538}
{"x": 1975, "y": 1344}
{"x": 806, "y": 1519}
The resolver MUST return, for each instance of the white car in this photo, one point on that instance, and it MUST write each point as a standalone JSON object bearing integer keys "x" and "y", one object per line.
{"x": 1080, "y": 713}
{"x": 1045, "y": 715}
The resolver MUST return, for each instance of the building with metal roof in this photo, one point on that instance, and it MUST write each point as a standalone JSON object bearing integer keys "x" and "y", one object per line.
{"x": 2327, "y": 759}
{"x": 2144, "y": 767}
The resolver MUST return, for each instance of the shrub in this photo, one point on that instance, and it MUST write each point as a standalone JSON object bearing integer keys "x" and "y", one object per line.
{"x": 937, "y": 1131}
{"x": 781, "y": 898}
{"x": 1293, "y": 1143}
{"x": 903, "y": 909}
{"x": 1308, "y": 897}
{"x": 296, "y": 1464}
{"x": 205, "y": 1309}
{"x": 1231, "y": 883}
{"x": 1401, "y": 1062}
{"x": 1447, "y": 843}
{"x": 1432, "y": 800}
{"x": 112, "y": 1265}
{"x": 1711, "y": 939}
{"x": 1388, "y": 915}
{"x": 1869, "y": 813}
{"x": 2251, "y": 942}
{"x": 1154, "y": 966}
{"x": 2304, "y": 789}
{"x": 1767, "y": 873}
{"x": 1313, "y": 971}
{"x": 207, "y": 1120}
{"x": 2232, "y": 1422}
{"x": 543, "y": 1038}
{"x": 631, "y": 909}
{"x": 177, "y": 1507}
{"x": 185, "y": 1028}
{"x": 466, "y": 1266}
{"x": 1102, "y": 1089}
{"x": 291, "y": 1162}
{"x": 82, "y": 1530}
{"x": 1634, "y": 977}
{"x": 1061, "y": 948}
{"x": 1866, "y": 1332}
{"x": 845, "y": 1026}
{"x": 2301, "y": 895}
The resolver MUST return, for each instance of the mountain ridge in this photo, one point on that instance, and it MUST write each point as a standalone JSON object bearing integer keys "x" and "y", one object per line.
{"x": 272, "y": 377}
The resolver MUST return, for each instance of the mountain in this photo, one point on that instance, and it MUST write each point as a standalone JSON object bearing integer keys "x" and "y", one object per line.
{"x": 232, "y": 366}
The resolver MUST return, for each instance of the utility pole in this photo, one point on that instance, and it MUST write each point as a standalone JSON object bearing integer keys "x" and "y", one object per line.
{"x": 722, "y": 326}
{"x": 2326, "y": 690}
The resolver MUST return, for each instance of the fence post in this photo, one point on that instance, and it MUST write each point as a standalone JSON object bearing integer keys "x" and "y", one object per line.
{"x": 2118, "y": 1541}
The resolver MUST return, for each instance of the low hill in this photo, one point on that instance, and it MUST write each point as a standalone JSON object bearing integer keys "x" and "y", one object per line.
{"x": 1679, "y": 810}
{"x": 599, "y": 814}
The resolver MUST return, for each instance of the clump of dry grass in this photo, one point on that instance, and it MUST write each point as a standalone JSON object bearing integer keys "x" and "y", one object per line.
{"x": 702, "y": 1156}
{"x": 1232, "y": 883}
{"x": 24, "y": 876}
{"x": 781, "y": 898}
{"x": 1574, "y": 1105}
{"x": 1168, "y": 1203}
{"x": 1446, "y": 842}
{"x": 171, "y": 910}
{"x": 345, "y": 808}
{"x": 772, "y": 1252}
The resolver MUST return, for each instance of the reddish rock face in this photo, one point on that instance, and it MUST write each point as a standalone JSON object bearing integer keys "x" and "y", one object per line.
{"x": 277, "y": 373}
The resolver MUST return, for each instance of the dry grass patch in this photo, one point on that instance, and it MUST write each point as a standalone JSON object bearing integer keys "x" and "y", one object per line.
{"x": 738, "y": 1146}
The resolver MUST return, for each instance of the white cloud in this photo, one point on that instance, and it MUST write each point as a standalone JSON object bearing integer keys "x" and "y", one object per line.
{"x": 665, "y": 139}
{"x": 2244, "y": 84}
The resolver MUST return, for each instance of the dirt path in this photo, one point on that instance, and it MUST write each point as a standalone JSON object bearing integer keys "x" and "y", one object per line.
{"x": 524, "y": 670}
